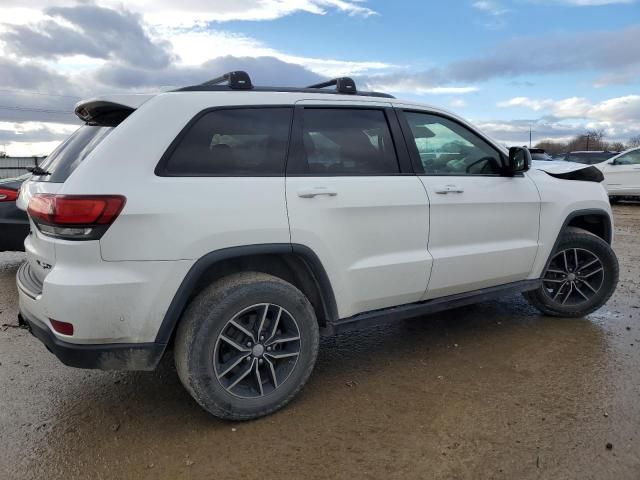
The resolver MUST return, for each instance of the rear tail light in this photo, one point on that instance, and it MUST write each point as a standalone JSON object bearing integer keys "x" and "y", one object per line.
{"x": 75, "y": 217}
{"x": 8, "y": 195}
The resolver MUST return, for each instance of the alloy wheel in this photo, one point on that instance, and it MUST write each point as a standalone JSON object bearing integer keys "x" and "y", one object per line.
{"x": 574, "y": 276}
{"x": 257, "y": 351}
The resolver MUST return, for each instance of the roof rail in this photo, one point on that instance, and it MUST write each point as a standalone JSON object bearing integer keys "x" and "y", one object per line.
{"x": 237, "y": 80}
{"x": 343, "y": 85}
{"x": 240, "y": 80}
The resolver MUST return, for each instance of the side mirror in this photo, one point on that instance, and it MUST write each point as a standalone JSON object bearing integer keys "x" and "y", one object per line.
{"x": 519, "y": 160}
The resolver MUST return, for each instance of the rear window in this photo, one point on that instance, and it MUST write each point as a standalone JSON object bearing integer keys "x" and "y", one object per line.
{"x": 70, "y": 153}
{"x": 589, "y": 158}
{"x": 232, "y": 142}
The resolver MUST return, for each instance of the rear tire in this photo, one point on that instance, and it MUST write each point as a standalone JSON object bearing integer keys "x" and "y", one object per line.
{"x": 246, "y": 345}
{"x": 580, "y": 278}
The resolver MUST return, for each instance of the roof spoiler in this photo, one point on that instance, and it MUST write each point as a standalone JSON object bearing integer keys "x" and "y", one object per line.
{"x": 109, "y": 110}
{"x": 103, "y": 113}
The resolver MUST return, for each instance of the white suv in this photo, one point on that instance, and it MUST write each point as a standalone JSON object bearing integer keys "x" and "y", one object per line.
{"x": 238, "y": 223}
{"x": 622, "y": 174}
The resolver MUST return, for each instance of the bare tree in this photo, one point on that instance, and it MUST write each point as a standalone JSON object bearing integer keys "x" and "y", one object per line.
{"x": 615, "y": 147}
{"x": 595, "y": 139}
{"x": 634, "y": 142}
{"x": 551, "y": 147}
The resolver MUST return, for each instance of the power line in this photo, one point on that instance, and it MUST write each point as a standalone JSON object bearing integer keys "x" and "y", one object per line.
{"x": 37, "y": 110}
{"x": 33, "y": 92}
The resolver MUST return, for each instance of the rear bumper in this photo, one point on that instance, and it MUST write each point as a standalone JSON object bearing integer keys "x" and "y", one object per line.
{"x": 113, "y": 356}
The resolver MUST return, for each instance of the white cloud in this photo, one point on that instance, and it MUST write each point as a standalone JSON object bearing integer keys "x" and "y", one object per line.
{"x": 416, "y": 85}
{"x": 195, "y": 46}
{"x": 591, "y": 3}
{"x": 527, "y": 102}
{"x": 192, "y": 12}
{"x": 458, "y": 103}
{"x": 612, "y": 110}
{"x": 27, "y": 149}
{"x": 619, "y": 116}
{"x": 20, "y": 128}
{"x": 490, "y": 7}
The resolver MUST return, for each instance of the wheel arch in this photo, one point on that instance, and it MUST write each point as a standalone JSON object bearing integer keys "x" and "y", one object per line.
{"x": 294, "y": 263}
{"x": 593, "y": 220}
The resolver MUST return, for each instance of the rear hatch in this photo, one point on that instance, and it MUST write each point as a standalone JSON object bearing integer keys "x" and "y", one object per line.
{"x": 101, "y": 116}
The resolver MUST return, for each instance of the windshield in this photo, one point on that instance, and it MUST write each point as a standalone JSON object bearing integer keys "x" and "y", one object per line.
{"x": 588, "y": 158}
{"x": 540, "y": 156}
{"x": 70, "y": 153}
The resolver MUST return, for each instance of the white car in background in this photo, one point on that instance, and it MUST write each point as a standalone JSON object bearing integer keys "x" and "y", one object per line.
{"x": 622, "y": 174}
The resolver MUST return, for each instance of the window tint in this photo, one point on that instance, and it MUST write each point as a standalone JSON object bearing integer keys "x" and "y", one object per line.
{"x": 66, "y": 158}
{"x": 233, "y": 142}
{"x": 631, "y": 158}
{"x": 447, "y": 148}
{"x": 343, "y": 141}
{"x": 588, "y": 158}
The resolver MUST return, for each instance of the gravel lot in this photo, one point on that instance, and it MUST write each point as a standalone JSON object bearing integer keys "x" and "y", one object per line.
{"x": 490, "y": 391}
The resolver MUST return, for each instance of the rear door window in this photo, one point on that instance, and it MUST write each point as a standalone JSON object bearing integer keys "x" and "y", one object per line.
{"x": 344, "y": 141}
{"x": 232, "y": 142}
{"x": 70, "y": 153}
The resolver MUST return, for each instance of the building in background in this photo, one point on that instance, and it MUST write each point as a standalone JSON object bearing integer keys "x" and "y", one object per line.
{"x": 15, "y": 166}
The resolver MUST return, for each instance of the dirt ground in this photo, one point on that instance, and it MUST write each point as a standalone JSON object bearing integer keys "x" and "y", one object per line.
{"x": 490, "y": 391}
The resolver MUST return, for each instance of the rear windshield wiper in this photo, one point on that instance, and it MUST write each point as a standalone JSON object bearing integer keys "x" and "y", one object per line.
{"x": 38, "y": 171}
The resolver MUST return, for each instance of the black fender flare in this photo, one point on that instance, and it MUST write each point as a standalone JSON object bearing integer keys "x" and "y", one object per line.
{"x": 608, "y": 228}
{"x": 189, "y": 282}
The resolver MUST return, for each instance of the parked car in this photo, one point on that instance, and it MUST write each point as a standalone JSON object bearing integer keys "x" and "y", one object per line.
{"x": 589, "y": 157}
{"x": 540, "y": 154}
{"x": 14, "y": 224}
{"x": 622, "y": 174}
{"x": 251, "y": 220}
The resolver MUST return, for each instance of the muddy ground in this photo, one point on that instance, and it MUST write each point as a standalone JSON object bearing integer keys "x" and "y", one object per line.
{"x": 490, "y": 391}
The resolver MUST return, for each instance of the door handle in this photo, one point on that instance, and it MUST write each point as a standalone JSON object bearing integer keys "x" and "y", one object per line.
{"x": 316, "y": 191}
{"x": 444, "y": 189}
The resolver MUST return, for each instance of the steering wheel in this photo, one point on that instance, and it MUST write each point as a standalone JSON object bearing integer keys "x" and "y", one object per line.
{"x": 487, "y": 159}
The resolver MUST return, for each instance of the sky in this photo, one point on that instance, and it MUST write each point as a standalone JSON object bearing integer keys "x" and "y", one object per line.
{"x": 559, "y": 67}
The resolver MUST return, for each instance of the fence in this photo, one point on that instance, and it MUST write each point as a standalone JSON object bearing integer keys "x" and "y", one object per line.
{"x": 16, "y": 166}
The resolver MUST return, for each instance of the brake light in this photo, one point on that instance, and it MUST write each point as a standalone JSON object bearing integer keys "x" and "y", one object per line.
{"x": 8, "y": 195}
{"x": 75, "y": 217}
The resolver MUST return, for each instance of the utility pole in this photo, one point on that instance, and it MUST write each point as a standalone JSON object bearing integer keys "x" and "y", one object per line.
{"x": 588, "y": 141}
{"x": 529, "y": 136}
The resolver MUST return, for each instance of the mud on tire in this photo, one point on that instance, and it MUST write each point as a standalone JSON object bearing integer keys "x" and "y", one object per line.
{"x": 581, "y": 276}
{"x": 246, "y": 345}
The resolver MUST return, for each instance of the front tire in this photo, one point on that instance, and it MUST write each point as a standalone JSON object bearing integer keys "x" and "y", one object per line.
{"x": 246, "y": 345}
{"x": 581, "y": 276}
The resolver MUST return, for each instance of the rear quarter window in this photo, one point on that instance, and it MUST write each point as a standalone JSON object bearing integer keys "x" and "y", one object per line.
{"x": 231, "y": 142}
{"x": 70, "y": 153}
